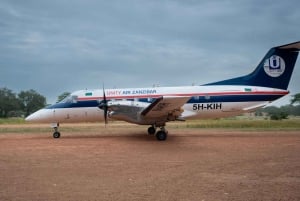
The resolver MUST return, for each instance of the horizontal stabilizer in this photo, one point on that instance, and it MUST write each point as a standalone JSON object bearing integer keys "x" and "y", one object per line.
{"x": 254, "y": 107}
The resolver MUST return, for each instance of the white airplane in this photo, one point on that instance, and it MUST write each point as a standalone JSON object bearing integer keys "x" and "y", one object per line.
{"x": 159, "y": 105}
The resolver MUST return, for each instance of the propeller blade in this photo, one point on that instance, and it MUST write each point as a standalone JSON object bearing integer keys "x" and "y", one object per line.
{"x": 103, "y": 106}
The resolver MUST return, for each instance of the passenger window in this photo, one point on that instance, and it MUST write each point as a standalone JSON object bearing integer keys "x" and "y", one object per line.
{"x": 196, "y": 98}
{"x": 207, "y": 97}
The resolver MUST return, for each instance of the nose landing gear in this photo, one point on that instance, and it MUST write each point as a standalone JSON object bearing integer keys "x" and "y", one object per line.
{"x": 56, "y": 133}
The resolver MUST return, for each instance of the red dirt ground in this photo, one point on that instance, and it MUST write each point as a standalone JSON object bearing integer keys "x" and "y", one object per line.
{"x": 193, "y": 164}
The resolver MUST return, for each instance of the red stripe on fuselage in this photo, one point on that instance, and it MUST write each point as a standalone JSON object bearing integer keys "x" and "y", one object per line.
{"x": 188, "y": 94}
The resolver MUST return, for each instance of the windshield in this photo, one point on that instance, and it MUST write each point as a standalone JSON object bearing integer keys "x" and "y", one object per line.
{"x": 69, "y": 99}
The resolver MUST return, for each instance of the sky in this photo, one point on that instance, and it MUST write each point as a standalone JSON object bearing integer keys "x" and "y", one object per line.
{"x": 53, "y": 46}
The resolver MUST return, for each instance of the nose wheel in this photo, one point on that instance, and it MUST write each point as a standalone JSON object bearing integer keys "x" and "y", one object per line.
{"x": 56, "y": 133}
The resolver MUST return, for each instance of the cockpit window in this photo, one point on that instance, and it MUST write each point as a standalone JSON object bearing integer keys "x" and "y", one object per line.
{"x": 70, "y": 99}
{"x": 74, "y": 99}
{"x": 66, "y": 99}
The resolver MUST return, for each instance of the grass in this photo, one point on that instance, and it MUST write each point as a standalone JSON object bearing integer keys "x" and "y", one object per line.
{"x": 12, "y": 121}
{"x": 246, "y": 124}
{"x": 18, "y": 125}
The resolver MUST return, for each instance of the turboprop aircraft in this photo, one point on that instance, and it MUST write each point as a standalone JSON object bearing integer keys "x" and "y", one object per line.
{"x": 159, "y": 105}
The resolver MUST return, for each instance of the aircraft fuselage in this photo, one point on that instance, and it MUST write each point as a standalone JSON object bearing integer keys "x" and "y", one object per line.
{"x": 204, "y": 102}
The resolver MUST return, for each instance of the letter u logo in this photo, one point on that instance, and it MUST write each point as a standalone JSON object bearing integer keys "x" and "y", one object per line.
{"x": 274, "y": 62}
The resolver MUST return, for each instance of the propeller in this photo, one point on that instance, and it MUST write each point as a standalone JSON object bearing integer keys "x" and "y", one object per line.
{"x": 103, "y": 106}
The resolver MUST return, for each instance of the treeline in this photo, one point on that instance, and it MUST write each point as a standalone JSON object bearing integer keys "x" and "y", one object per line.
{"x": 278, "y": 113}
{"x": 21, "y": 104}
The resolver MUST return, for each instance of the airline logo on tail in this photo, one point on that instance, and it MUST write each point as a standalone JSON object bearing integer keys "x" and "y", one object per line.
{"x": 274, "y": 66}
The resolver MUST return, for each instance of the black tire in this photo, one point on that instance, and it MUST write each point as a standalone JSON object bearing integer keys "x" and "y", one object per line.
{"x": 151, "y": 130}
{"x": 56, "y": 134}
{"x": 161, "y": 135}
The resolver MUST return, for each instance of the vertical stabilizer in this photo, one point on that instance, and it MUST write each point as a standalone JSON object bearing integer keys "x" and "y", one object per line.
{"x": 273, "y": 71}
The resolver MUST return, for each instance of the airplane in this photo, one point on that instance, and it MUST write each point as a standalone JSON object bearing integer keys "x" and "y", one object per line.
{"x": 158, "y": 105}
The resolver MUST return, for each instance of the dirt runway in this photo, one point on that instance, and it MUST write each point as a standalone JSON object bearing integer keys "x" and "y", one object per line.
{"x": 193, "y": 164}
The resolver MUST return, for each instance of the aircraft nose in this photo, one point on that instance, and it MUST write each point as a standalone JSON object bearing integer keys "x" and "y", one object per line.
{"x": 34, "y": 116}
{"x": 41, "y": 115}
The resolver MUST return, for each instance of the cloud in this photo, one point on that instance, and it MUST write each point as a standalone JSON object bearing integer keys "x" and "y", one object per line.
{"x": 56, "y": 46}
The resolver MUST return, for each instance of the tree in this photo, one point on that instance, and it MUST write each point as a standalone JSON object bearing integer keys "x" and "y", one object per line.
{"x": 296, "y": 99}
{"x": 276, "y": 113}
{"x": 30, "y": 101}
{"x": 8, "y": 102}
{"x": 279, "y": 115}
{"x": 62, "y": 96}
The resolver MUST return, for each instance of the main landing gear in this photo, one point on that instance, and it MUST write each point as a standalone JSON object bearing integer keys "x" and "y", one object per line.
{"x": 160, "y": 135}
{"x": 56, "y": 133}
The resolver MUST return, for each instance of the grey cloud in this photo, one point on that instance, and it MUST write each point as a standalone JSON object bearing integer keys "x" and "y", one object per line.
{"x": 59, "y": 45}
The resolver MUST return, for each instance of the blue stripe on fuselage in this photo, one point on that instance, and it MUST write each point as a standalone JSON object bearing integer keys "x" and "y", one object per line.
{"x": 87, "y": 103}
{"x": 233, "y": 98}
{"x": 197, "y": 99}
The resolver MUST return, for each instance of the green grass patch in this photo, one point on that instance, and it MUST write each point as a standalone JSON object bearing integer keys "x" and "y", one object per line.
{"x": 46, "y": 128}
{"x": 24, "y": 130}
{"x": 12, "y": 120}
{"x": 287, "y": 124}
{"x": 18, "y": 125}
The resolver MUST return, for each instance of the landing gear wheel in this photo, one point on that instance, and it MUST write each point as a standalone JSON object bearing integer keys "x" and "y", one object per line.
{"x": 56, "y": 134}
{"x": 161, "y": 135}
{"x": 151, "y": 130}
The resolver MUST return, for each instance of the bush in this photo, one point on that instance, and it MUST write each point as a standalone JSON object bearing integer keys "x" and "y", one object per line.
{"x": 278, "y": 116}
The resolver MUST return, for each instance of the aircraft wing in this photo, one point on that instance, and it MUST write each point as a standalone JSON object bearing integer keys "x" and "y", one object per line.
{"x": 165, "y": 106}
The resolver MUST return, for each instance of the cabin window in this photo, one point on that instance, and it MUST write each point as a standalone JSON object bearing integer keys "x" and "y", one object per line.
{"x": 196, "y": 97}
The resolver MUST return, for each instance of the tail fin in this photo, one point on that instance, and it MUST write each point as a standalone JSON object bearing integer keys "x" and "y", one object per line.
{"x": 273, "y": 71}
